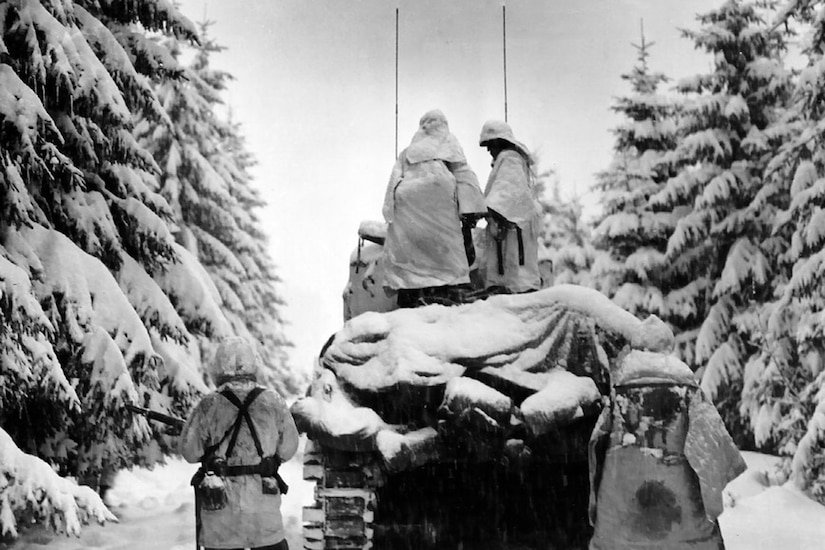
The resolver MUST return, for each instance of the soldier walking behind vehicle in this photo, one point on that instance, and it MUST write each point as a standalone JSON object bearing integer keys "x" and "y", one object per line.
{"x": 240, "y": 434}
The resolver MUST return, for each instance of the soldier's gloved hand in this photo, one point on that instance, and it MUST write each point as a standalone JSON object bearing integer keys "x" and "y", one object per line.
{"x": 470, "y": 220}
{"x": 498, "y": 225}
{"x": 496, "y": 229}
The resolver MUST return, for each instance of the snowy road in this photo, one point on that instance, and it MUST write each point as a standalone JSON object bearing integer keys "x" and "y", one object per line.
{"x": 156, "y": 513}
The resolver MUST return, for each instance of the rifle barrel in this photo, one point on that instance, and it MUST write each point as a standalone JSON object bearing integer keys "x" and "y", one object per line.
{"x": 155, "y": 415}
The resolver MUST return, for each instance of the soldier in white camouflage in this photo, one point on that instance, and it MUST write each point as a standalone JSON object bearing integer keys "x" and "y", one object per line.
{"x": 240, "y": 433}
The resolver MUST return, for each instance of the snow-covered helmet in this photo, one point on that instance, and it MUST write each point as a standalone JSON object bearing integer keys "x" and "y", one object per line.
{"x": 235, "y": 357}
{"x": 497, "y": 129}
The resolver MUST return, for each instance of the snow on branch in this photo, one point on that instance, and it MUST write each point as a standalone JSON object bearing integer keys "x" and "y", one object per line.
{"x": 21, "y": 109}
{"x": 808, "y": 274}
{"x": 711, "y": 144}
{"x": 719, "y": 190}
{"x": 617, "y": 225}
{"x": 109, "y": 378}
{"x": 737, "y": 108}
{"x": 210, "y": 183}
{"x": 145, "y": 235}
{"x": 645, "y": 261}
{"x": 634, "y": 297}
{"x": 19, "y": 204}
{"x": 149, "y": 301}
{"x": 809, "y": 451}
{"x": 89, "y": 294}
{"x": 217, "y": 252}
{"x": 708, "y": 106}
{"x": 813, "y": 234}
{"x": 30, "y": 489}
{"x": 149, "y": 222}
{"x": 118, "y": 63}
{"x": 77, "y": 67}
{"x": 745, "y": 262}
{"x": 162, "y": 14}
{"x": 682, "y": 187}
{"x": 714, "y": 329}
{"x": 181, "y": 365}
{"x": 89, "y": 216}
{"x": 15, "y": 287}
{"x": 723, "y": 367}
{"x": 190, "y": 288}
{"x": 807, "y": 188}
{"x": 689, "y": 231}
{"x": 138, "y": 183}
{"x": 29, "y": 358}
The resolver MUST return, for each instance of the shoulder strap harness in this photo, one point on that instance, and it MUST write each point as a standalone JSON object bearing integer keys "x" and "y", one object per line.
{"x": 267, "y": 467}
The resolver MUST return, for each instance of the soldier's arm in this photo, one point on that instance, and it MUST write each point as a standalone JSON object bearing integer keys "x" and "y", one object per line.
{"x": 192, "y": 437}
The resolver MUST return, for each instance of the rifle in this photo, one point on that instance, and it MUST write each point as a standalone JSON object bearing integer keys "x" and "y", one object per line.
{"x": 155, "y": 415}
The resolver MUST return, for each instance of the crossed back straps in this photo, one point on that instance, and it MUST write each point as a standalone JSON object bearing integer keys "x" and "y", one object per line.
{"x": 234, "y": 430}
{"x": 243, "y": 414}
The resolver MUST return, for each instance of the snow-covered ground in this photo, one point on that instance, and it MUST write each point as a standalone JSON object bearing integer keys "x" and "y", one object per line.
{"x": 155, "y": 511}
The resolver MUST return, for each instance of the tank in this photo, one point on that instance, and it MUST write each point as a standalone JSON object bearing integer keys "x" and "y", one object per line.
{"x": 463, "y": 426}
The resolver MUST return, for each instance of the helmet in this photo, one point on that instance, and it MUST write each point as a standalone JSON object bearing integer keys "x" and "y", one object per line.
{"x": 496, "y": 129}
{"x": 646, "y": 368}
{"x": 235, "y": 357}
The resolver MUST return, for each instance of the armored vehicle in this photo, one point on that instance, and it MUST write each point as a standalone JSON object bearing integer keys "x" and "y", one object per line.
{"x": 463, "y": 426}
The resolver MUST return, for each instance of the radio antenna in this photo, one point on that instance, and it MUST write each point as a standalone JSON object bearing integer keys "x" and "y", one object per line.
{"x": 396, "y": 82}
{"x": 504, "y": 45}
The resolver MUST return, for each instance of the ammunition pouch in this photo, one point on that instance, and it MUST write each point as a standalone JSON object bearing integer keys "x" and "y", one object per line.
{"x": 210, "y": 486}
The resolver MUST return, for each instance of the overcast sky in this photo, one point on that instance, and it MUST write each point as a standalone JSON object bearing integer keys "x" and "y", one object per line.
{"x": 314, "y": 91}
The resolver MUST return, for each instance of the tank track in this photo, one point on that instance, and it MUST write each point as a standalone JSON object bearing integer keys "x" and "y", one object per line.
{"x": 342, "y": 516}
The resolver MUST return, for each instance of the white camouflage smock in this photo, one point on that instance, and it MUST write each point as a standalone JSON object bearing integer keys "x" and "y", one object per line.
{"x": 429, "y": 189}
{"x": 510, "y": 193}
{"x": 251, "y": 517}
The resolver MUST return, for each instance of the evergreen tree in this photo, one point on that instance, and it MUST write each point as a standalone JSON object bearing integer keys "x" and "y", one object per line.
{"x": 632, "y": 234}
{"x": 787, "y": 390}
{"x": 719, "y": 252}
{"x": 98, "y": 303}
{"x": 566, "y": 254}
{"x": 205, "y": 179}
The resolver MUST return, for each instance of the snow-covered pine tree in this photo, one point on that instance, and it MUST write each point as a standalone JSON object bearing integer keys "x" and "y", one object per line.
{"x": 719, "y": 246}
{"x": 566, "y": 254}
{"x": 206, "y": 180}
{"x": 96, "y": 299}
{"x": 786, "y": 397}
{"x": 632, "y": 234}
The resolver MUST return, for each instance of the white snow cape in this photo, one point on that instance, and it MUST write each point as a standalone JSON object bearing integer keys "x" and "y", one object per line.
{"x": 532, "y": 359}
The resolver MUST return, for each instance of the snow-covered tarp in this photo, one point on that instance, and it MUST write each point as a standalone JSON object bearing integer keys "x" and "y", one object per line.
{"x": 511, "y": 365}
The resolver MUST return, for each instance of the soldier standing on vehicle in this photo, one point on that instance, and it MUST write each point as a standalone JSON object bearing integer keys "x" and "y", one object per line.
{"x": 240, "y": 433}
{"x": 432, "y": 201}
{"x": 510, "y": 261}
